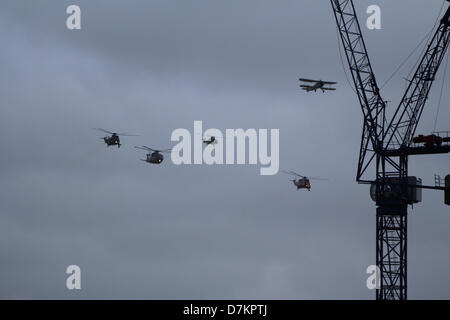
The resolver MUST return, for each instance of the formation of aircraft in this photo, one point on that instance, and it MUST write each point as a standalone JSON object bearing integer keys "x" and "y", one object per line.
{"x": 156, "y": 156}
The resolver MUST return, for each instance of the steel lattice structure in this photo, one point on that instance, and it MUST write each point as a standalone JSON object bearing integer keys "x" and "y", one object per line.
{"x": 386, "y": 146}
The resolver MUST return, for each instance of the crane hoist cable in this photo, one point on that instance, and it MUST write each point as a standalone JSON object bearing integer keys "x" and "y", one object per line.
{"x": 427, "y": 36}
{"x": 407, "y": 58}
{"x": 441, "y": 93}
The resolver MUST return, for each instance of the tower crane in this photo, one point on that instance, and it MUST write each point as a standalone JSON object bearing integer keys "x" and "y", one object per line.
{"x": 386, "y": 144}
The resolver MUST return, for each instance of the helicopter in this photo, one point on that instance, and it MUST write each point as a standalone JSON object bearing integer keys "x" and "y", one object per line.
{"x": 302, "y": 182}
{"x": 211, "y": 140}
{"x": 114, "y": 139}
{"x": 154, "y": 156}
{"x": 208, "y": 139}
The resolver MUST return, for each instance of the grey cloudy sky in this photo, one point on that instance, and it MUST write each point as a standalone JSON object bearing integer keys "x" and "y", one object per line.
{"x": 143, "y": 231}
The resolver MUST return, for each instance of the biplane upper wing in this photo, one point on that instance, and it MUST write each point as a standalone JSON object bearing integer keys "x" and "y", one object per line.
{"x": 308, "y": 80}
{"x": 329, "y": 82}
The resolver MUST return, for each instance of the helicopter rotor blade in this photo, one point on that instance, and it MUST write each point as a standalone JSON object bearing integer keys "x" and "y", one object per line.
{"x": 297, "y": 174}
{"x": 318, "y": 179}
{"x": 103, "y": 130}
{"x": 292, "y": 173}
{"x": 148, "y": 148}
{"x": 144, "y": 148}
{"x": 153, "y": 150}
{"x": 124, "y": 134}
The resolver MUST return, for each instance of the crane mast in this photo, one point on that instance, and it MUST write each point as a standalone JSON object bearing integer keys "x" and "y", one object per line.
{"x": 386, "y": 146}
{"x": 372, "y": 105}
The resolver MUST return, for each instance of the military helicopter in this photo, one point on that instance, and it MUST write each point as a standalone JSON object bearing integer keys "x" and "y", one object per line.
{"x": 207, "y": 139}
{"x": 113, "y": 140}
{"x": 302, "y": 182}
{"x": 210, "y": 140}
{"x": 154, "y": 156}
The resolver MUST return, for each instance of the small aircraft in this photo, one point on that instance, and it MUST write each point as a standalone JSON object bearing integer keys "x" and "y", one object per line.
{"x": 318, "y": 84}
{"x": 207, "y": 139}
{"x": 302, "y": 182}
{"x": 113, "y": 140}
{"x": 210, "y": 140}
{"x": 154, "y": 156}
